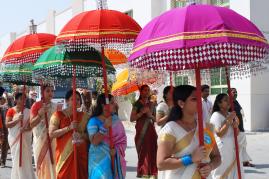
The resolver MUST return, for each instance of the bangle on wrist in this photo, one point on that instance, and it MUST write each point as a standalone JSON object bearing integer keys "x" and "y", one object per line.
{"x": 186, "y": 160}
{"x": 103, "y": 130}
{"x": 68, "y": 128}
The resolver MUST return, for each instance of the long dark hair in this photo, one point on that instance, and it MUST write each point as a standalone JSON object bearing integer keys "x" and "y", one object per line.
{"x": 218, "y": 100}
{"x": 181, "y": 92}
{"x": 69, "y": 94}
{"x": 141, "y": 89}
{"x": 101, "y": 101}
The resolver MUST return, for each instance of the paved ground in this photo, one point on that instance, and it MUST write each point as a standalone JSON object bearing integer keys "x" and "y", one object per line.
{"x": 258, "y": 145}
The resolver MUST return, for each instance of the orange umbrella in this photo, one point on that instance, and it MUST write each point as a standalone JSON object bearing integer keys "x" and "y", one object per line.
{"x": 127, "y": 82}
{"x": 116, "y": 57}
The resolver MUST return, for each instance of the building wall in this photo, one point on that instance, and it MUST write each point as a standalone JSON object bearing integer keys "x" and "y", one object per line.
{"x": 42, "y": 27}
{"x": 254, "y": 92}
{"x": 141, "y": 13}
{"x": 259, "y": 87}
{"x": 61, "y": 19}
{"x": 4, "y": 43}
{"x": 241, "y": 6}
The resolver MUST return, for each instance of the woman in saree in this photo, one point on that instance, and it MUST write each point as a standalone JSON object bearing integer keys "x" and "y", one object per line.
{"x": 61, "y": 128}
{"x": 179, "y": 154}
{"x": 143, "y": 113}
{"x": 100, "y": 152}
{"x": 224, "y": 123}
{"x": 14, "y": 117}
{"x": 44, "y": 160}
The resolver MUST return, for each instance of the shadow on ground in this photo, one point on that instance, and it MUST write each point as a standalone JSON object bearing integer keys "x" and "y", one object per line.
{"x": 261, "y": 166}
{"x": 254, "y": 171}
{"x": 131, "y": 169}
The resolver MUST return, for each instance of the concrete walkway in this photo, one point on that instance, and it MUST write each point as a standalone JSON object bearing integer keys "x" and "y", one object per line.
{"x": 258, "y": 149}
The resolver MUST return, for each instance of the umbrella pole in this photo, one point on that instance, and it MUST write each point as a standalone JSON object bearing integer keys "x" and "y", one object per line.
{"x": 47, "y": 125}
{"x": 107, "y": 107}
{"x": 235, "y": 129}
{"x": 75, "y": 118}
{"x": 171, "y": 78}
{"x": 199, "y": 108}
{"x": 23, "y": 104}
{"x": 171, "y": 85}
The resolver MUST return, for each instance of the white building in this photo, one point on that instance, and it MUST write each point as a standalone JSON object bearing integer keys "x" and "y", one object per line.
{"x": 253, "y": 92}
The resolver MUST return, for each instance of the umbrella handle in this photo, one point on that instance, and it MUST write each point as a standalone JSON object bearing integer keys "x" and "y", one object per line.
{"x": 107, "y": 106}
{"x": 23, "y": 102}
{"x": 199, "y": 109}
{"x": 47, "y": 125}
{"x": 75, "y": 119}
{"x": 235, "y": 130}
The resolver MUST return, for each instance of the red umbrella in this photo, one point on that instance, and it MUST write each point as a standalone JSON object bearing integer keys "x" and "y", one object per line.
{"x": 27, "y": 49}
{"x": 101, "y": 29}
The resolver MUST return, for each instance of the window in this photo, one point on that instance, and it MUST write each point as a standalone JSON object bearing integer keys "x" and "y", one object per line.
{"x": 178, "y": 3}
{"x": 218, "y": 81}
{"x": 223, "y": 3}
{"x": 129, "y": 13}
{"x": 181, "y": 80}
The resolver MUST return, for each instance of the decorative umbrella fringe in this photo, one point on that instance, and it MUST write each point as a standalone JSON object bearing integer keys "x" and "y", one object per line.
{"x": 67, "y": 71}
{"x": 180, "y": 59}
{"x": 30, "y": 58}
{"x": 122, "y": 45}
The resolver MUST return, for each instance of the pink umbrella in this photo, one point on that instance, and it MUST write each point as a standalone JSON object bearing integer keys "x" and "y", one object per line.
{"x": 199, "y": 37}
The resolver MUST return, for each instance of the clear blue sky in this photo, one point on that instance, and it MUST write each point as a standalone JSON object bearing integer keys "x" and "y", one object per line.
{"x": 15, "y": 15}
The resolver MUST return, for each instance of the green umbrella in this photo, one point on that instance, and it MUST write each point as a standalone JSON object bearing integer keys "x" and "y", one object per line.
{"x": 20, "y": 74}
{"x": 57, "y": 64}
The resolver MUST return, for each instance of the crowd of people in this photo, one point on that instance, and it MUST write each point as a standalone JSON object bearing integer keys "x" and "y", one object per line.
{"x": 166, "y": 136}
{"x": 170, "y": 147}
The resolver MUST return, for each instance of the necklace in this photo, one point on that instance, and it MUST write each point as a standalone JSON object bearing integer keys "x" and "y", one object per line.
{"x": 187, "y": 126}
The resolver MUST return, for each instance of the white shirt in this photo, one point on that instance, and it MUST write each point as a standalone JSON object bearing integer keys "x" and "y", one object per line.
{"x": 207, "y": 109}
{"x": 162, "y": 109}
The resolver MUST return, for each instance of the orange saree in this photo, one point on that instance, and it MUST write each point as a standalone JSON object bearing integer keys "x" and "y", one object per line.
{"x": 65, "y": 164}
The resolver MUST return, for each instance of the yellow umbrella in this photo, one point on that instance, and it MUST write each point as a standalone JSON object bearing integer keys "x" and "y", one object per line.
{"x": 126, "y": 83}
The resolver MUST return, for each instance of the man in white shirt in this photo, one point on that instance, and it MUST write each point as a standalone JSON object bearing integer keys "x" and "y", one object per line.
{"x": 206, "y": 104}
{"x": 163, "y": 107}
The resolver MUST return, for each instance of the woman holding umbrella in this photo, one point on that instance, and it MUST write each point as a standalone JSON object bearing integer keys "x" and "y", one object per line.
{"x": 224, "y": 123}
{"x": 143, "y": 114}
{"x": 13, "y": 119}
{"x": 40, "y": 112}
{"x": 61, "y": 128}
{"x": 99, "y": 152}
{"x": 179, "y": 154}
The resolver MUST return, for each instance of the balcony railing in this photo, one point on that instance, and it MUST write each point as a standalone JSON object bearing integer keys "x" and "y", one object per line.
{"x": 223, "y": 3}
{"x": 180, "y": 3}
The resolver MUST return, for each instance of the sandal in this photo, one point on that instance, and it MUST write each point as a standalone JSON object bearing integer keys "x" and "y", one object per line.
{"x": 248, "y": 164}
